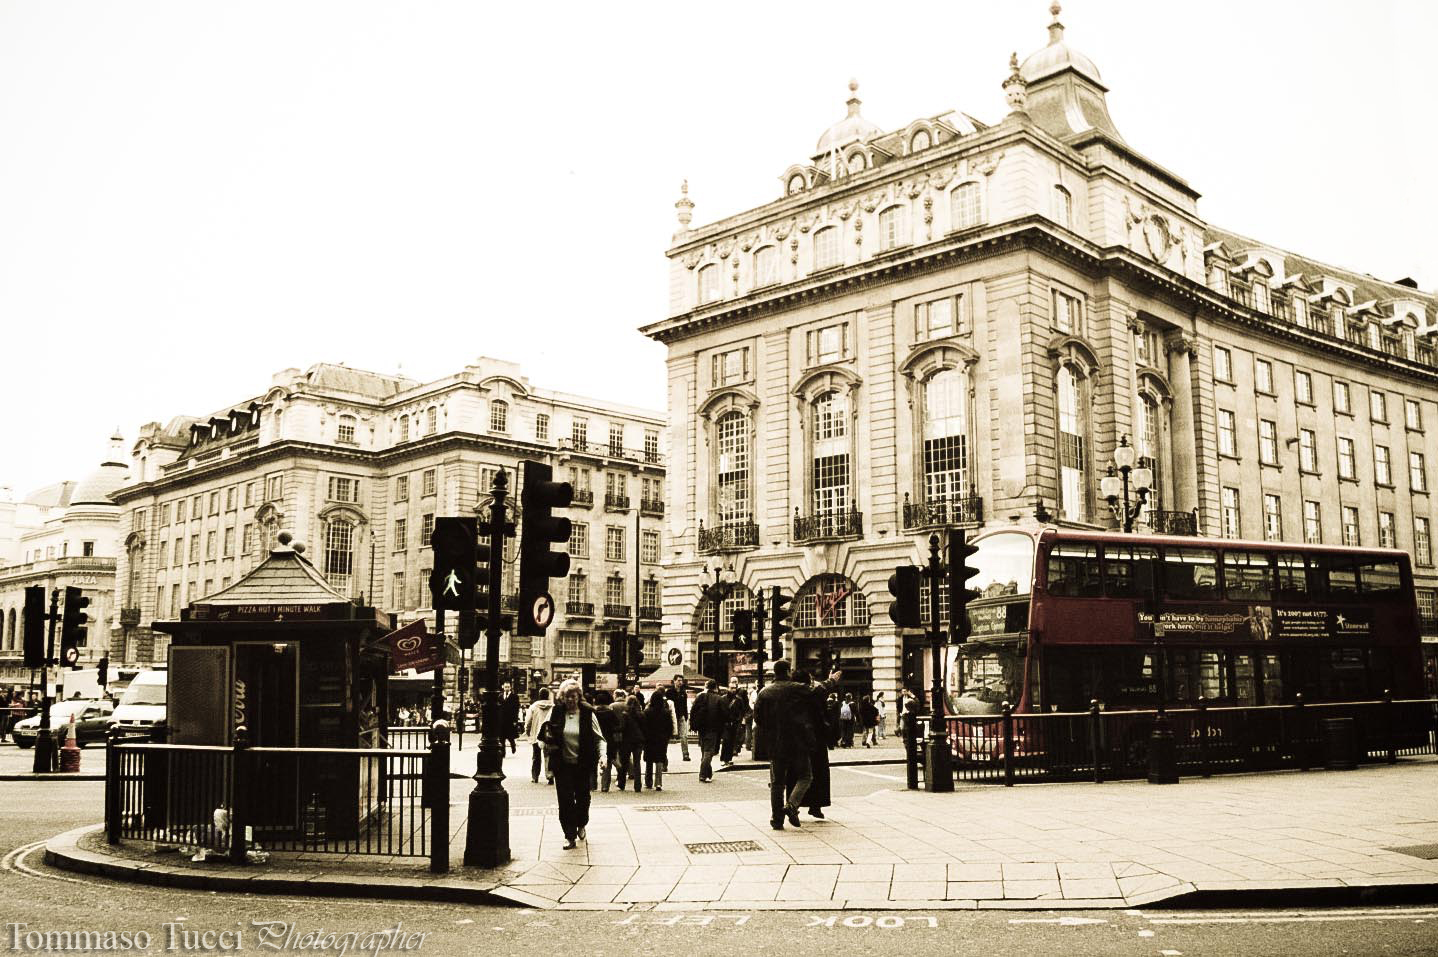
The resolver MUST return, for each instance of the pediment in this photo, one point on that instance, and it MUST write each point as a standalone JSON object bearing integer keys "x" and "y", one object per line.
{"x": 928, "y": 358}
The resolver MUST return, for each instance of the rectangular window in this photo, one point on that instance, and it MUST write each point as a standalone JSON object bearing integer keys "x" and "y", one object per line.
{"x": 1422, "y": 547}
{"x": 178, "y": 557}
{"x": 428, "y": 482}
{"x": 1312, "y": 525}
{"x": 401, "y": 489}
{"x": 649, "y": 547}
{"x": 1377, "y": 405}
{"x": 579, "y": 433}
{"x": 1222, "y": 364}
{"x": 1417, "y": 473}
{"x": 1303, "y": 387}
{"x": 209, "y": 546}
{"x": 87, "y": 549}
{"x": 616, "y": 440}
{"x": 649, "y": 593}
{"x": 274, "y": 487}
{"x": 1350, "y": 525}
{"x": 1413, "y": 414}
{"x": 247, "y": 539}
{"x": 940, "y": 318}
{"x": 614, "y": 543}
{"x": 397, "y": 596}
{"x": 1347, "y": 465}
{"x": 426, "y": 529}
{"x": 579, "y": 540}
{"x": 578, "y": 588}
{"x": 197, "y": 507}
{"x": 1342, "y": 400}
{"x": 1307, "y": 450}
{"x": 829, "y": 344}
{"x": 579, "y": 478}
{"x": 180, "y": 511}
{"x": 343, "y": 489}
{"x": 401, "y": 535}
{"x": 194, "y": 548}
{"x": 1272, "y": 518}
{"x": 1068, "y": 313}
{"x": 250, "y": 494}
{"x": 164, "y": 514}
{"x": 541, "y": 428}
{"x": 892, "y": 228}
{"x": 1382, "y": 469}
{"x": 1227, "y": 438}
{"x": 227, "y": 547}
{"x": 175, "y": 601}
{"x": 345, "y": 430}
{"x": 651, "y": 445}
{"x": 1386, "y": 533}
{"x": 214, "y": 503}
{"x": 1267, "y": 442}
{"x": 614, "y": 590}
{"x": 766, "y": 266}
{"x": 1230, "y": 512}
{"x": 1263, "y": 376}
{"x": 1427, "y": 608}
{"x": 431, "y": 420}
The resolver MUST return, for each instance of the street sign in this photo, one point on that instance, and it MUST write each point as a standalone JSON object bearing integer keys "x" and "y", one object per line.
{"x": 674, "y": 656}
{"x": 413, "y": 647}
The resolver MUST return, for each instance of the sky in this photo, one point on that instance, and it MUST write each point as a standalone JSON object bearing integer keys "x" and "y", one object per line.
{"x": 197, "y": 194}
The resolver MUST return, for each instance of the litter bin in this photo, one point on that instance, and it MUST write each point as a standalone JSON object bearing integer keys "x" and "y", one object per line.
{"x": 1340, "y": 744}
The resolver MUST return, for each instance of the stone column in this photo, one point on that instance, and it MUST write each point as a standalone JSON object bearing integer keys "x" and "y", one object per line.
{"x": 1185, "y": 437}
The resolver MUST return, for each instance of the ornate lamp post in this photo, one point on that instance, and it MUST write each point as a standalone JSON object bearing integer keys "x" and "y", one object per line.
{"x": 716, "y": 592}
{"x": 1116, "y": 484}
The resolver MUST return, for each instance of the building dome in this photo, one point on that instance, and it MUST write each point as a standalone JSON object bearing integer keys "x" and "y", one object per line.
{"x": 1057, "y": 56}
{"x": 851, "y": 129}
{"x": 96, "y": 487}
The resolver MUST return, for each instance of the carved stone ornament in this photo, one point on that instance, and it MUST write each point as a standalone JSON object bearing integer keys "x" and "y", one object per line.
{"x": 726, "y": 247}
{"x": 1183, "y": 344}
{"x": 808, "y": 222}
{"x": 913, "y": 188}
{"x": 1157, "y": 238}
{"x": 848, "y": 209}
{"x": 782, "y": 229}
{"x": 749, "y": 241}
{"x": 939, "y": 178}
{"x": 691, "y": 258}
{"x": 985, "y": 165}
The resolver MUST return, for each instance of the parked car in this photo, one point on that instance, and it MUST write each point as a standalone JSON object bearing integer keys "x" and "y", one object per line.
{"x": 142, "y": 706}
{"x": 92, "y": 721}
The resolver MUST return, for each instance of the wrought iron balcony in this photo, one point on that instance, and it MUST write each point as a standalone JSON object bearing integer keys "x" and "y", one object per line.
{"x": 651, "y": 506}
{"x": 616, "y": 500}
{"x": 1173, "y": 523}
{"x": 829, "y": 525}
{"x": 936, "y": 513}
{"x": 509, "y": 603}
{"x": 730, "y": 536}
{"x": 616, "y": 611}
{"x": 650, "y": 612}
{"x": 579, "y": 609}
{"x": 583, "y": 497}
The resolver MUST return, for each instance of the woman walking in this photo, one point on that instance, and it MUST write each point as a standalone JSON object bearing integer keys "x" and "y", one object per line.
{"x": 658, "y": 729}
{"x": 534, "y": 723}
{"x": 576, "y": 746}
{"x": 869, "y": 722}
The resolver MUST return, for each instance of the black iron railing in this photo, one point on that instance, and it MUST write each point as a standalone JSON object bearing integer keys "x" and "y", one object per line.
{"x": 1102, "y": 745}
{"x": 616, "y": 500}
{"x": 1173, "y": 523}
{"x": 582, "y": 496}
{"x": 729, "y": 535}
{"x": 935, "y": 513}
{"x": 650, "y": 613}
{"x": 839, "y": 523}
{"x": 616, "y": 611}
{"x": 579, "y": 609}
{"x": 651, "y": 506}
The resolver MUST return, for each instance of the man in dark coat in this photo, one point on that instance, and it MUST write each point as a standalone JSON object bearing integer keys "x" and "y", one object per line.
{"x": 736, "y": 709}
{"x": 609, "y": 727}
{"x": 658, "y": 724}
{"x": 634, "y": 739}
{"x": 707, "y": 717}
{"x": 788, "y": 731}
{"x": 818, "y": 796}
{"x": 678, "y": 692}
{"x": 509, "y": 716}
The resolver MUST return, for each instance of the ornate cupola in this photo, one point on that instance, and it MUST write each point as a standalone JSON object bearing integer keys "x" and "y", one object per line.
{"x": 1065, "y": 93}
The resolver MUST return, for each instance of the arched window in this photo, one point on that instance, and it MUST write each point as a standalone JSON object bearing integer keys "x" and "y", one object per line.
{"x": 1151, "y": 429}
{"x": 830, "y": 474}
{"x": 339, "y": 554}
{"x": 946, "y": 440}
{"x": 830, "y": 601}
{"x": 1073, "y": 446}
{"x": 766, "y": 266}
{"x": 404, "y": 428}
{"x": 431, "y": 420}
{"x": 965, "y": 207}
{"x": 732, "y": 469}
{"x": 893, "y": 228}
{"x": 499, "y": 416}
{"x": 1063, "y": 207}
{"x": 345, "y": 432}
{"x": 708, "y": 283}
{"x": 921, "y": 141}
{"x": 826, "y": 247}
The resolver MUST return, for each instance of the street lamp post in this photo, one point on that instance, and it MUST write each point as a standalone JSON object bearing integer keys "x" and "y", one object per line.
{"x": 716, "y": 593}
{"x": 1115, "y": 486}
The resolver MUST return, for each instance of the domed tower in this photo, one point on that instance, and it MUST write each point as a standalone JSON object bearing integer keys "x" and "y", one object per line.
{"x": 853, "y": 128}
{"x": 1065, "y": 94}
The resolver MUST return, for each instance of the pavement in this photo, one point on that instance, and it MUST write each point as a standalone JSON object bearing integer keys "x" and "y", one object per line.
{"x": 1277, "y": 838}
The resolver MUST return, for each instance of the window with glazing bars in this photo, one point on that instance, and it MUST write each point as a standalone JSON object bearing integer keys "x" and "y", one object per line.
{"x": 339, "y": 552}
{"x": 946, "y": 452}
{"x": 1071, "y": 447}
{"x": 830, "y": 454}
{"x": 733, "y": 468}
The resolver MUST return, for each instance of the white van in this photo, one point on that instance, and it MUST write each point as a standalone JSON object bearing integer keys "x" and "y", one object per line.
{"x": 142, "y": 706}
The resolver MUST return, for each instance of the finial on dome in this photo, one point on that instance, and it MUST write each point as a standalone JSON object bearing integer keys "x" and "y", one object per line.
{"x": 853, "y": 97}
{"x": 685, "y": 206}
{"x": 1016, "y": 87}
{"x": 1056, "y": 29}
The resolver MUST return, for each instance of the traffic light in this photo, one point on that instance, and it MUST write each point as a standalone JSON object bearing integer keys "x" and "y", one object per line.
{"x": 452, "y": 582}
{"x": 539, "y": 496}
{"x": 102, "y": 670}
{"x": 34, "y": 626}
{"x": 779, "y": 614}
{"x": 743, "y": 627}
{"x": 959, "y": 571}
{"x": 636, "y": 651}
{"x": 463, "y": 682}
{"x": 617, "y": 642}
{"x": 904, "y": 586}
{"x": 72, "y": 632}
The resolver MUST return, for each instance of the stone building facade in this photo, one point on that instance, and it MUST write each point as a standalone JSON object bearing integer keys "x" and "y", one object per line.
{"x": 958, "y": 323}
{"x": 357, "y": 465}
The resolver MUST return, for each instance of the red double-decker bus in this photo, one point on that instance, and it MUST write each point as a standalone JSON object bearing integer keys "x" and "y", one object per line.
{"x": 1068, "y": 616}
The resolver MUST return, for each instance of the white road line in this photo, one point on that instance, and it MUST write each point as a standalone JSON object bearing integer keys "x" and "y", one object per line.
{"x": 1298, "y": 918}
{"x": 15, "y": 861}
{"x": 868, "y": 774}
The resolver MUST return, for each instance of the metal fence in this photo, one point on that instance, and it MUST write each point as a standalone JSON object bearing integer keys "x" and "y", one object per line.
{"x": 1102, "y": 745}
{"x": 391, "y": 802}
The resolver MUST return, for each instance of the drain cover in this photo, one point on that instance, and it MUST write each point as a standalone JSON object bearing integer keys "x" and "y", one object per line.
{"x": 664, "y": 807}
{"x": 1428, "y": 852}
{"x": 532, "y": 811}
{"x": 723, "y": 847}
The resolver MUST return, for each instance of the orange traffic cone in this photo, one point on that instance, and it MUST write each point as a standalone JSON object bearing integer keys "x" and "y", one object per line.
{"x": 70, "y": 753}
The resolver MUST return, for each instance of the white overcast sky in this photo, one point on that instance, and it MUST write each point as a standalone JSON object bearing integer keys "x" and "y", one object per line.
{"x": 196, "y": 194}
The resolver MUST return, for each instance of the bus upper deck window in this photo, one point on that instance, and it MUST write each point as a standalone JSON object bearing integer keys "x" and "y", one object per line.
{"x": 1074, "y": 570}
{"x": 1247, "y": 576}
{"x": 1380, "y": 578}
{"x": 1191, "y": 573}
{"x": 1128, "y": 571}
{"x": 1341, "y": 575}
{"x": 1292, "y": 575}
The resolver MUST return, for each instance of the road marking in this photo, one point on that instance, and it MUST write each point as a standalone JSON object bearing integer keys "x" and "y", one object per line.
{"x": 1061, "y": 921}
{"x": 1298, "y": 918}
{"x": 15, "y": 861}
{"x": 868, "y": 774}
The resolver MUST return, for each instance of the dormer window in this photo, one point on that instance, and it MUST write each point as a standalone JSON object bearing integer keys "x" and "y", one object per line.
{"x": 921, "y": 141}
{"x": 708, "y": 283}
{"x": 1063, "y": 207}
{"x": 345, "y": 433}
{"x": 499, "y": 416}
{"x": 893, "y": 228}
{"x": 826, "y": 248}
{"x": 1260, "y": 296}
